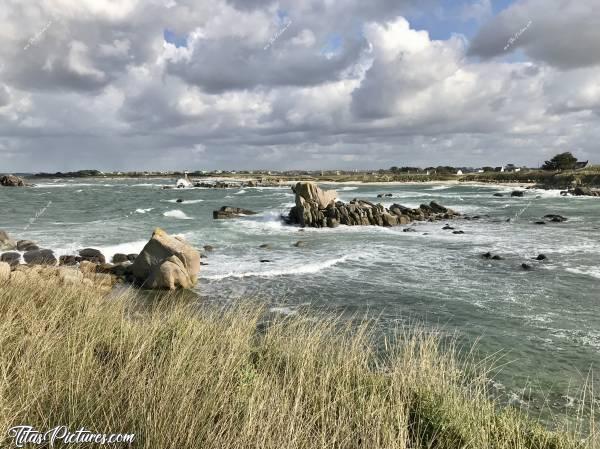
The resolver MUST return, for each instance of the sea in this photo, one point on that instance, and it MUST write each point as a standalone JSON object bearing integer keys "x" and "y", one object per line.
{"x": 538, "y": 328}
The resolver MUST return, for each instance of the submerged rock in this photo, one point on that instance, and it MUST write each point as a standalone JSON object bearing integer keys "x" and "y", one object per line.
{"x": 166, "y": 262}
{"x": 554, "y": 218}
{"x": 231, "y": 212}
{"x": 517, "y": 193}
{"x": 525, "y": 266}
{"x": 541, "y": 257}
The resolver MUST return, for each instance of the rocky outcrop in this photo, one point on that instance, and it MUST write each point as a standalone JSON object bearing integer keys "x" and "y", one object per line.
{"x": 584, "y": 191}
{"x": 317, "y": 208}
{"x": 12, "y": 181}
{"x": 517, "y": 193}
{"x": 231, "y": 212}
{"x": 166, "y": 262}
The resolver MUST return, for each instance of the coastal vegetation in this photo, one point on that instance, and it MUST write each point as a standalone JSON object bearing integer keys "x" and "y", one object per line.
{"x": 181, "y": 375}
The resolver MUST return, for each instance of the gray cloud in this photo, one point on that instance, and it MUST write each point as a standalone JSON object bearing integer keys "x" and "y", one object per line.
{"x": 564, "y": 33}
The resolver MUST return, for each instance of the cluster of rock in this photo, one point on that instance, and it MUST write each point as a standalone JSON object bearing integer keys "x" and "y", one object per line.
{"x": 166, "y": 262}
{"x": 318, "y": 208}
{"x": 233, "y": 185}
{"x": 13, "y": 181}
{"x": 581, "y": 191}
{"x": 231, "y": 212}
{"x": 525, "y": 266}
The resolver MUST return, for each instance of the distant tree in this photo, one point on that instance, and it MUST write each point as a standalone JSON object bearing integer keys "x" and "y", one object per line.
{"x": 487, "y": 168}
{"x": 445, "y": 169}
{"x": 562, "y": 161}
{"x": 394, "y": 169}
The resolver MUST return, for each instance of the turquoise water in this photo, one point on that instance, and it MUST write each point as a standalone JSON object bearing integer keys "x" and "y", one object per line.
{"x": 544, "y": 322}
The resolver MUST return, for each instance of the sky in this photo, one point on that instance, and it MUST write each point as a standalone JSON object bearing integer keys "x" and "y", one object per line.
{"x": 296, "y": 84}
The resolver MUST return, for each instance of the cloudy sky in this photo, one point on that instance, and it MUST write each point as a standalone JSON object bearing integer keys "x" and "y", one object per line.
{"x": 292, "y": 84}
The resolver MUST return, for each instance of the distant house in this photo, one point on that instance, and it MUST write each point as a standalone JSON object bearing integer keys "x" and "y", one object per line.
{"x": 459, "y": 173}
{"x": 580, "y": 165}
{"x": 512, "y": 168}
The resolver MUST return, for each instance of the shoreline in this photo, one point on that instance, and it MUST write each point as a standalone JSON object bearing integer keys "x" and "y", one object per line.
{"x": 290, "y": 182}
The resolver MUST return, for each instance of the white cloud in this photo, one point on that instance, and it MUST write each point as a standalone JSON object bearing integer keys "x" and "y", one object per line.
{"x": 102, "y": 88}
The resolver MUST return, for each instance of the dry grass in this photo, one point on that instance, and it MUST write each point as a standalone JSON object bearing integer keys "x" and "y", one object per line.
{"x": 179, "y": 377}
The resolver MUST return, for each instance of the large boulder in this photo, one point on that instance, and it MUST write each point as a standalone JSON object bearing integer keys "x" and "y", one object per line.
{"x": 11, "y": 258}
{"x": 166, "y": 262}
{"x": 92, "y": 255}
{"x": 12, "y": 181}
{"x": 40, "y": 257}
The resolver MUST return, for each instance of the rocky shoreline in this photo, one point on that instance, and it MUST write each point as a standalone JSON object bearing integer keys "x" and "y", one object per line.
{"x": 166, "y": 262}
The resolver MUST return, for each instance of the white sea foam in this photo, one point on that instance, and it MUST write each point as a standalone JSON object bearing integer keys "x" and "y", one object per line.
{"x": 143, "y": 211}
{"x": 347, "y": 189}
{"x": 123, "y": 248}
{"x": 305, "y": 268}
{"x": 586, "y": 271}
{"x": 240, "y": 192}
{"x": 179, "y": 214}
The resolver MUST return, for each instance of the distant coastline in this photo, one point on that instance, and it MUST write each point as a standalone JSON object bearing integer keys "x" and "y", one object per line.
{"x": 588, "y": 177}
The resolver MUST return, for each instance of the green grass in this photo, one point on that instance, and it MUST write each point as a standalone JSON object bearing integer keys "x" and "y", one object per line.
{"x": 180, "y": 376}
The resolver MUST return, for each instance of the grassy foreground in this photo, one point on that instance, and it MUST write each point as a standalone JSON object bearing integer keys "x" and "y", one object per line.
{"x": 178, "y": 377}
